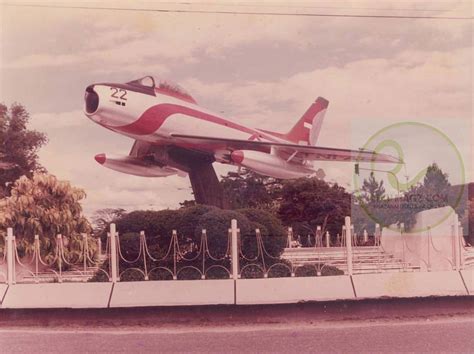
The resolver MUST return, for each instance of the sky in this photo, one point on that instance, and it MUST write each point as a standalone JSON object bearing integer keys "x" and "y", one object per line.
{"x": 260, "y": 70}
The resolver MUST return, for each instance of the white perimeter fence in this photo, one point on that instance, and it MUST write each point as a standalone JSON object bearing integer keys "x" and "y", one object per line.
{"x": 76, "y": 260}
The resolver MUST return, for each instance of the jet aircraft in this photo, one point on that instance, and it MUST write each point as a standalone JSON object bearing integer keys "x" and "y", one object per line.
{"x": 172, "y": 132}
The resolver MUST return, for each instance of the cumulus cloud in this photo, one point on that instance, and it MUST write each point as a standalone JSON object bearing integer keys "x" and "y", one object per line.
{"x": 263, "y": 71}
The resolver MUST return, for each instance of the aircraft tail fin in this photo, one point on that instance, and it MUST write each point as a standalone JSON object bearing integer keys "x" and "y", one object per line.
{"x": 306, "y": 130}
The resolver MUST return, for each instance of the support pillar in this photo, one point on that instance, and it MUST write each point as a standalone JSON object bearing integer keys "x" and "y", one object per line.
{"x": 206, "y": 187}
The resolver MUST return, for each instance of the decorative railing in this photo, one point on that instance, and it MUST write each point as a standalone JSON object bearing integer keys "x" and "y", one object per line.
{"x": 139, "y": 257}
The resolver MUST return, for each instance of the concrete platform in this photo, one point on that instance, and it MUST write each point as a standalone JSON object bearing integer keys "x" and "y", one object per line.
{"x": 58, "y": 295}
{"x": 410, "y": 284}
{"x": 173, "y": 293}
{"x": 293, "y": 290}
{"x": 468, "y": 276}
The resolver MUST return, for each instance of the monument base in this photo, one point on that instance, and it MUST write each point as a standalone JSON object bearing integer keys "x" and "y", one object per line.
{"x": 204, "y": 182}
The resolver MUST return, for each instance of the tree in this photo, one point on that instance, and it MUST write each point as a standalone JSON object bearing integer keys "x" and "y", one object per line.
{"x": 372, "y": 190}
{"x": 309, "y": 202}
{"x": 44, "y": 206}
{"x": 251, "y": 190}
{"x": 436, "y": 180}
{"x": 103, "y": 217}
{"x": 18, "y": 146}
{"x": 433, "y": 193}
{"x": 368, "y": 206}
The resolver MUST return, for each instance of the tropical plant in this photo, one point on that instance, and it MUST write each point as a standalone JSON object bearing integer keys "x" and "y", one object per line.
{"x": 44, "y": 206}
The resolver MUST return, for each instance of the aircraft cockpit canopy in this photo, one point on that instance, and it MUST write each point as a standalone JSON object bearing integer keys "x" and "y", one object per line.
{"x": 163, "y": 86}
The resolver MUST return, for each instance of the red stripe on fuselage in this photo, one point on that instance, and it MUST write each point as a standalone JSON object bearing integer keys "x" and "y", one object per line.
{"x": 154, "y": 117}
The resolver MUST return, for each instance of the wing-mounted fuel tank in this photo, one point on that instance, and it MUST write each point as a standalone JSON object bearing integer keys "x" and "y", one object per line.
{"x": 136, "y": 166}
{"x": 269, "y": 164}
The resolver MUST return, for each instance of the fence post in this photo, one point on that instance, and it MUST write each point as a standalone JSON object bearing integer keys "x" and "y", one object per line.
{"x": 328, "y": 237}
{"x": 113, "y": 253}
{"x": 37, "y": 255}
{"x": 318, "y": 237}
{"x": 461, "y": 245}
{"x": 348, "y": 244}
{"x": 353, "y": 236}
{"x": 59, "y": 241}
{"x": 404, "y": 246}
{"x": 290, "y": 236}
{"x": 457, "y": 244}
{"x": 10, "y": 257}
{"x": 366, "y": 236}
{"x": 143, "y": 249}
{"x": 235, "y": 250}
{"x": 377, "y": 235}
{"x": 429, "y": 248}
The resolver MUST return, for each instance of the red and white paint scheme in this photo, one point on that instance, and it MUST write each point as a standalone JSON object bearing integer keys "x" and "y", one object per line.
{"x": 167, "y": 124}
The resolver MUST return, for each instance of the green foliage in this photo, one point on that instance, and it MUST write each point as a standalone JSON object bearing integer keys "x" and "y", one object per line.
{"x": 158, "y": 225}
{"x": 43, "y": 206}
{"x": 308, "y": 202}
{"x": 103, "y": 217}
{"x": 373, "y": 191}
{"x": 251, "y": 190}
{"x": 18, "y": 146}
{"x": 189, "y": 223}
{"x": 311, "y": 270}
{"x": 217, "y": 223}
{"x": 373, "y": 207}
{"x": 274, "y": 235}
{"x": 189, "y": 217}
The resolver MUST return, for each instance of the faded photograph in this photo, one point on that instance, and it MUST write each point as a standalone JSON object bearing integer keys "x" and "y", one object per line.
{"x": 248, "y": 176}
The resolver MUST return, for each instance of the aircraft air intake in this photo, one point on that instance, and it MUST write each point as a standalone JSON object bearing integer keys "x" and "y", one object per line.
{"x": 91, "y": 99}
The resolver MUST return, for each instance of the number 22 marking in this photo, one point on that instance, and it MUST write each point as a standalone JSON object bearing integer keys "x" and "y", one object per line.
{"x": 119, "y": 93}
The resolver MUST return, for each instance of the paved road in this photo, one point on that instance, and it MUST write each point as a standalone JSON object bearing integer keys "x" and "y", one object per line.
{"x": 415, "y": 325}
{"x": 454, "y": 335}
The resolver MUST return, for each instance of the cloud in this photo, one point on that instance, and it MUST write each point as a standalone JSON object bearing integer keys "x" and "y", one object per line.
{"x": 260, "y": 70}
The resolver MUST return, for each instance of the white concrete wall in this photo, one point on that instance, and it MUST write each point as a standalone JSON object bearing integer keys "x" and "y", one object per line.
{"x": 3, "y": 289}
{"x": 292, "y": 290}
{"x": 58, "y": 295}
{"x": 468, "y": 276}
{"x": 409, "y": 284}
{"x": 173, "y": 293}
{"x": 419, "y": 251}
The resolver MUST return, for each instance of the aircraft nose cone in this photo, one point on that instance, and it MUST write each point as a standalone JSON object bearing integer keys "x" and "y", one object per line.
{"x": 100, "y": 158}
{"x": 91, "y": 99}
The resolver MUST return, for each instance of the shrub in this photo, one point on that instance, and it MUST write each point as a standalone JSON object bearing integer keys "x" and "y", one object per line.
{"x": 189, "y": 223}
{"x": 273, "y": 233}
{"x": 216, "y": 223}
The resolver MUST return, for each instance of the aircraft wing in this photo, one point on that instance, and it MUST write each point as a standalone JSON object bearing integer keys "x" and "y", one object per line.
{"x": 304, "y": 152}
